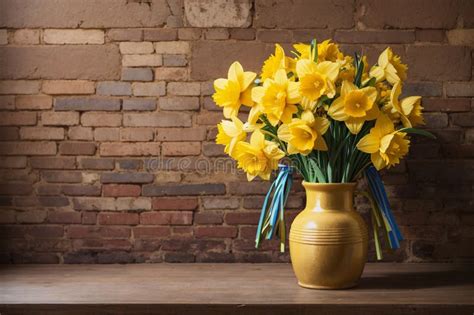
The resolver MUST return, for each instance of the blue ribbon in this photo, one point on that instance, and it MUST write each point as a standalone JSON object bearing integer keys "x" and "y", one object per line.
{"x": 272, "y": 216}
{"x": 379, "y": 194}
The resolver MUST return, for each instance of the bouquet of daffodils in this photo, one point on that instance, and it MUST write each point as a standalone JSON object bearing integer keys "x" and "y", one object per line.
{"x": 333, "y": 116}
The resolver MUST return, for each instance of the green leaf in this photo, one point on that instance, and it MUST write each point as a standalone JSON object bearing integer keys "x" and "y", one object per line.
{"x": 417, "y": 131}
{"x": 371, "y": 82}
{"x": 317, "y": 171}
{"x": 359, "y": 65}
{"x": 314, "y": 50}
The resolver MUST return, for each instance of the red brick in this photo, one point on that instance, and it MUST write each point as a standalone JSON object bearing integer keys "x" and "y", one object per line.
{"x": 183, "y": 190}
{"x": 44, "y": 231}
{"x": 7, "y": 102}
{"x": 15, "y": 189}
{"x": 68, "y": 217}
{"x": 181, "y": 148}
{"x": 89, "y": 218}
{"x": 53, "y": 162}
{"x": 181, "y": 134}
{"x": 129, "y": 149}
{"x": 94, "y": 203}
{"x": 42, "y": 133}
{"x": 81, "y": 190}
{"x": 252, "y": 188}
{"x": 31, "y": 216}
{"x": 13, "y": 162}
{"x": 162, "y": 119}
{"x": 34, "y": 102}
{"x": 61, "y": 176}
{"x": 215, "y": 232}
{"x": 101, "y": 119}
{"x": 136, "y": 134}
{"x": 121, "y": 190}
{"x": 174, "y": 203}
{"x": 79, "y": 231}
{"x": 220, "y": 203}
{"x": 151, "y": 231}
{"x": 236, "y": 218}
{"x": 118, "y": 218}
{"x": 28, "y": 148}
{"x": 17, "y": 119}
{"x": 130, "y": 177}
{"x": 77, "y": 148}
{"x": 80, "y": 133}
{"x": 106, "y": 134}
{"x": 208, "y": 218}
{"x": 9, "y": 133}
{"x": 59, "y": 119}
{"x": 58, "y": 87}
{"x": 165, "y": 218}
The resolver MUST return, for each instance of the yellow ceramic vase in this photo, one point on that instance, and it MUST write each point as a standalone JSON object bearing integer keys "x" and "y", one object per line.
{"x": 328, "y": 239}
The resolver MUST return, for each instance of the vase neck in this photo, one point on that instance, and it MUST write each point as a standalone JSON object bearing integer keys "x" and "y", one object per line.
{"x": 334, "y": 197}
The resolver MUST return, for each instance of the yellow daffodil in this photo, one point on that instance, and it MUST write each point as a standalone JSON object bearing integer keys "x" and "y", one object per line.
{"x": 347, "y": 69}
{"x": 304, "y": 134}
{"x": 317, "y": 79}
{"x": 259, "y": 157}
{"x": 234, "y": 91}
{"x": 230, "y": 133}
{"x": 408, "y": 110}
{"x": 276, "y": 62}
{"x": 385, "y": 145}
{"x": 328, "y": 51}
{"x": 354, "y": 106}
{"x": 389, "y": 68}
{"x": 277, "y": 98}
{"x": 303, "y": 50}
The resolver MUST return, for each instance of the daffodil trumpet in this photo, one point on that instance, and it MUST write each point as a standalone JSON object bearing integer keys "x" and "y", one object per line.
{"x": 333, "y": 116}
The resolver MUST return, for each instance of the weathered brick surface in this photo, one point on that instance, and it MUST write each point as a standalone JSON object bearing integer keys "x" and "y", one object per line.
{"x": 107, "y": 125}
{"x": 142, "y": 60}
{"x": 94, "y": 62}
{"x": 149, "y": 89}
{"x": 300, "y": 14}
{"x": 86, "y": 103}
{"x": 24, "y": 14}
{"x": 137, "y": 74}
{"x": 139, "y": 104}
{"x": 33, "y": 102}
{"x": 53, "y": 36}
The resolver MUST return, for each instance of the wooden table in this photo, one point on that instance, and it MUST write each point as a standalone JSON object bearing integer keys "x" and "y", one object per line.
{"x": 230, "y": 289}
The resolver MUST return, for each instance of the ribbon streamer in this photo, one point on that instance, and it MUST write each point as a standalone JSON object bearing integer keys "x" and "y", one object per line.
{"x": 379, "y": 195}
{"x": 272, "y": 216}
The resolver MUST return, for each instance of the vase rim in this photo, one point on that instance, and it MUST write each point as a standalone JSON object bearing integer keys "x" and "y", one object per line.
{"x": 328, "y": 185}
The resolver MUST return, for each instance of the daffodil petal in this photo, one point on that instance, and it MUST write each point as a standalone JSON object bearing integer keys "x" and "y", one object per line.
{"x": 369, "y": 143}
{"x": 336, "y": 109}
{"x": 377, "y": 160}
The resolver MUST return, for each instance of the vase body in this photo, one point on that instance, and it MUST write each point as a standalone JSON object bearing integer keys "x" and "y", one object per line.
{"x": 328, "y": 239}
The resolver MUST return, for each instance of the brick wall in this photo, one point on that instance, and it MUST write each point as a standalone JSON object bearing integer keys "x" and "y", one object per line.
{"x": 107, "y": 125}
